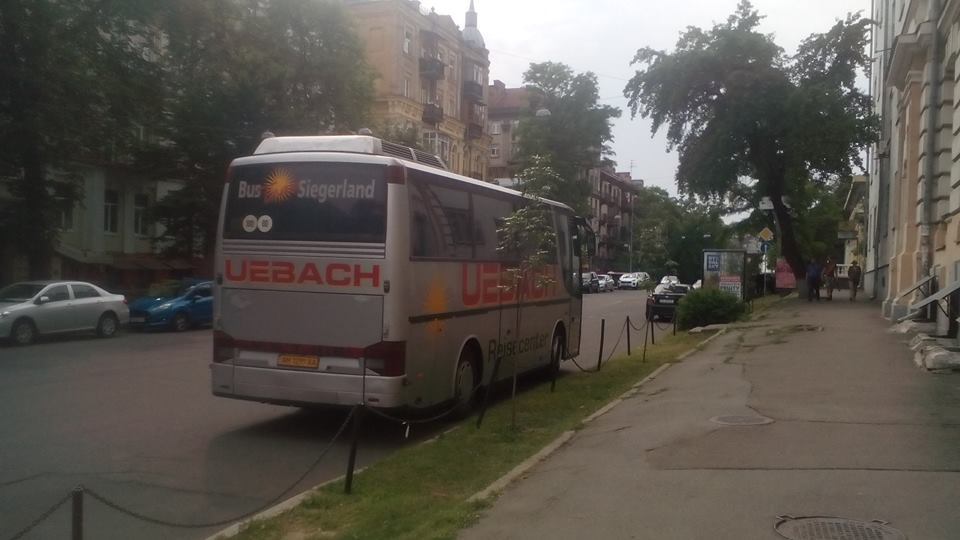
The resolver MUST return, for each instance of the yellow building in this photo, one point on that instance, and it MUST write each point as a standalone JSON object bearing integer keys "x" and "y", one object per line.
{"x": 431, "y": 75}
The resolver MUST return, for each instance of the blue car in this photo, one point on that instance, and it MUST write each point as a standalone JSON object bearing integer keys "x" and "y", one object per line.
{"x": 177, "y": 305}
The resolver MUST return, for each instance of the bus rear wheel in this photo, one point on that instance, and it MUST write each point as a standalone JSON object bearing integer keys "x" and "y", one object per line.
{"x": 466, "y": 383}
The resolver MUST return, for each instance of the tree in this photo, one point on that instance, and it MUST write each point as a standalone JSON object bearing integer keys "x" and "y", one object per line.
{"x": 235, "y": 69}
{"x": 567, "y": 126}
{"x": 749, "y": 121}
{"x": 78, "y": 82}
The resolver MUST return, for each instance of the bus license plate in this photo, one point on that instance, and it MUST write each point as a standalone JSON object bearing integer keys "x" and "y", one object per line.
{"x": 298, "y": 361}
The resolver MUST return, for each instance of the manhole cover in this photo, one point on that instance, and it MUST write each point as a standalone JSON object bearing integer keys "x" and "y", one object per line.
{"x": 834, "y": 528}
{"x": 739, "y": 420}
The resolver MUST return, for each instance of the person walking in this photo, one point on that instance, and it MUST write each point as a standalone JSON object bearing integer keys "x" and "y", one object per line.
{"x": 830, "y": 277}
{"x": 814, "y": 274}
{"x": 854, "y": 273}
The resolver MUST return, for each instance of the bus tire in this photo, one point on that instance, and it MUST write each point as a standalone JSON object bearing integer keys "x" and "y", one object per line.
{"x": 558, "y": 346}
{"x": 466, "y": 382}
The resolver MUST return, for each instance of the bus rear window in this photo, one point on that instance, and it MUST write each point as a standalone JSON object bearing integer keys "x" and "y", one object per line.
{"x": 318, "y": 201}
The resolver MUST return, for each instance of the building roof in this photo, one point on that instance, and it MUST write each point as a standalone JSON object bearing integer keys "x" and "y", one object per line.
{"x": 504, "y": 100}
{"x": 471, "y": 34}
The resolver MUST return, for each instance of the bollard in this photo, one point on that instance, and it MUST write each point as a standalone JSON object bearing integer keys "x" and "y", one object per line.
{"x": 653, "y": 334}
{"x": 628, "y": 335}
{"x": 603, "y": 325}
{"x": 77, "y": 514}
{"x": 352, "y": 460}
{"x": 674, "y": 321}
{"x": 555, "y": 369}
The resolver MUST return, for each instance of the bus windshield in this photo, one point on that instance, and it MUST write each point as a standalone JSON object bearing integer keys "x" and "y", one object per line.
{"x": 309, "y": 201}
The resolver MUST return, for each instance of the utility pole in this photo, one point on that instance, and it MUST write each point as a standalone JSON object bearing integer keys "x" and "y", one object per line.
{"x": 633, "y": 197}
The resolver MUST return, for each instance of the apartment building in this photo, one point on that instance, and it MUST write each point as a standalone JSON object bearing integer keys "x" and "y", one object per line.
{"x": 913, "y": 208}
{"x": 431, "y": 75}
{"x": 107, "y": 236}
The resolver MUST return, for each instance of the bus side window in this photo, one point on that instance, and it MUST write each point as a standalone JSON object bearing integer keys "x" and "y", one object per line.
{"x": 423, "y": 237}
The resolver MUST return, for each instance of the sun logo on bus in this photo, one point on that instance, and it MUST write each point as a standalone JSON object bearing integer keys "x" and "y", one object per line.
{"x": 279, "y": 187}
{"x": 436, "y": 303}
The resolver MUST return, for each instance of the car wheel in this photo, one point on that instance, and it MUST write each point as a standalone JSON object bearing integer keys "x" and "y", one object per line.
{"x": 107, "y": 325}
{"x": 180, "y": 322}
{"x": 466, "y": 386}
{"x": 23, "y": 332}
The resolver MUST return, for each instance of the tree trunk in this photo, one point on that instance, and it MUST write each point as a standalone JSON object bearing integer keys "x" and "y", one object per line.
{"x": 788, "y": 240}
{"x": 37, "y": 245}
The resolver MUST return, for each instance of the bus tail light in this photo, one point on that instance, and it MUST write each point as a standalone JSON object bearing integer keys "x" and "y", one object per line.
{"x": 388, "y": 358}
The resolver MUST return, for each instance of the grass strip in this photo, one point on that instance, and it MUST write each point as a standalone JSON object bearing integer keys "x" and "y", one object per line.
{"x": 421, "y": 492}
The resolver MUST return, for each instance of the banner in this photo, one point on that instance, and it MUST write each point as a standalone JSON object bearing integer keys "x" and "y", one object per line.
{"x": 725, "y": 270}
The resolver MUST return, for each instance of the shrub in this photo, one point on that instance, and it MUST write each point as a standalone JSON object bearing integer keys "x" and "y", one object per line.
{"x": 708, "y": 306}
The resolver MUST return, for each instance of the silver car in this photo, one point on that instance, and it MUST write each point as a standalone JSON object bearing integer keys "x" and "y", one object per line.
{"x": 31, "y": 308}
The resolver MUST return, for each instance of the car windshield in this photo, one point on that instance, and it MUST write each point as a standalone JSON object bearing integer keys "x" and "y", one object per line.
{"x": 20, "y": 292}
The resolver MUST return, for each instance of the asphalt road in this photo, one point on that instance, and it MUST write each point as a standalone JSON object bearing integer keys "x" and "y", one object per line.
{"x": 132, "y": 418}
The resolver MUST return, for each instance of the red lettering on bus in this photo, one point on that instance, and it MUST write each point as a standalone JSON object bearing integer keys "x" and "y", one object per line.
{"x": 242, "y": 276}
{"x": 470, "y": 294}
{"x": 490, "y": 282}
{"x": 359, "y": 275}
{"x": 310, "y": 273}
{"x": 283, "y": 272}
{"x": 260, "y": 271}
{"x": 343, "y": 269}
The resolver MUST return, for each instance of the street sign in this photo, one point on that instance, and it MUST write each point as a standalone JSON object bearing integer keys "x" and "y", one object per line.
{"x": 766, "y": 234}
{"x": 765, "y": 247}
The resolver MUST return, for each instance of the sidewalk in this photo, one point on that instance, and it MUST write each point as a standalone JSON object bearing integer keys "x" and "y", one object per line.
{"x": 857, "y": 431}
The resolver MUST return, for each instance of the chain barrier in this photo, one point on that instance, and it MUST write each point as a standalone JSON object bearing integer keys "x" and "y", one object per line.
{"x": 612, "y": 352}
{"x": 41, "y": 518}
{"x": 640, "y": 329}
{"x": 156, "y": 521}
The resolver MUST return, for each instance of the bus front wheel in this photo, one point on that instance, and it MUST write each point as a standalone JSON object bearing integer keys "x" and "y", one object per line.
{"x": 465, "y": 389}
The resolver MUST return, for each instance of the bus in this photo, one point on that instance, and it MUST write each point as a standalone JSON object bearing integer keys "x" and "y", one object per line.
{"x": 353, "y": 270}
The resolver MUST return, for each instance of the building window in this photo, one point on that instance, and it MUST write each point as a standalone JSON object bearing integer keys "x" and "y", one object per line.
{"x": 140, "y": 224}
{"x": 407, "y": 40}
{"x": 494, "y": 150}
{"x": 406, "y": 87}
{"x": 495, "y": 128}
{"x": 111, "y": 211}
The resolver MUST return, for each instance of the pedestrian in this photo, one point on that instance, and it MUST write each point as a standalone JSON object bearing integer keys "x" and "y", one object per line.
{"x": 854, "y": 273}
{"x": 814, "y": 274}
{"x": 830, "y": 277}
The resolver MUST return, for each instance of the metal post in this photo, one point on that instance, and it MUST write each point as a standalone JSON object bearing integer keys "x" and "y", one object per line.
{"x": 653, "y": 335}
{"x": 603, "y": 324}
{"x": 489, "y": 390}
{"x": 628, "y": 335}
{"x": 674, "y": 321}
{"x": 77, "y": 514}
{"x": 352, "y": 460}
{"x": 646, "y": 333}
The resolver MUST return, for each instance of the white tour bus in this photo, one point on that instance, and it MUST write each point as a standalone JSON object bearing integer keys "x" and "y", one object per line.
{"x": 350, "y": 269}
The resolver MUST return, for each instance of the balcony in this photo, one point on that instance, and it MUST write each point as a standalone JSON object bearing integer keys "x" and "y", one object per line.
{"x": 431, "y": 68}
{"x": 432, "y": 114}
{"x": 473, "y": 90}
{"x": 474, "y": 130}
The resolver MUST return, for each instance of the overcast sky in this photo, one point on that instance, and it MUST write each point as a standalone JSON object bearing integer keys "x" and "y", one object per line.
{"x": 602, "y": 36}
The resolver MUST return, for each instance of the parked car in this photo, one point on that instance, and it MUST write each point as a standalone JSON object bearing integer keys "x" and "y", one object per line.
{"x": 590, "y": 282}
{"x": 33, "y": 308}
{"x": 607, "y": 283}
{"x": 662, "y": 303}
{"x": 177, "y": 305}
{"x": 633, "y": 280}
{"x": 669, "y": 279}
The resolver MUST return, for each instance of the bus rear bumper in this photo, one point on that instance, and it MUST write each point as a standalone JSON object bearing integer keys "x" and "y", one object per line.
{"x": 289, "y": 387}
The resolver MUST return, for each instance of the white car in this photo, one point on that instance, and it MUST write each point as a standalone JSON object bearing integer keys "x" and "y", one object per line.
{"x": 31, "y": 308}
{"x": 633, "y": 280}
{"x": 669, "y": 279}
{"x": 607, "y": 283}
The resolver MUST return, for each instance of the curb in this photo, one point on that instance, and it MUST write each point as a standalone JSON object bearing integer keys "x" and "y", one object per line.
{"x": 276, "y": 509}
{"x": 554, "y": 445}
